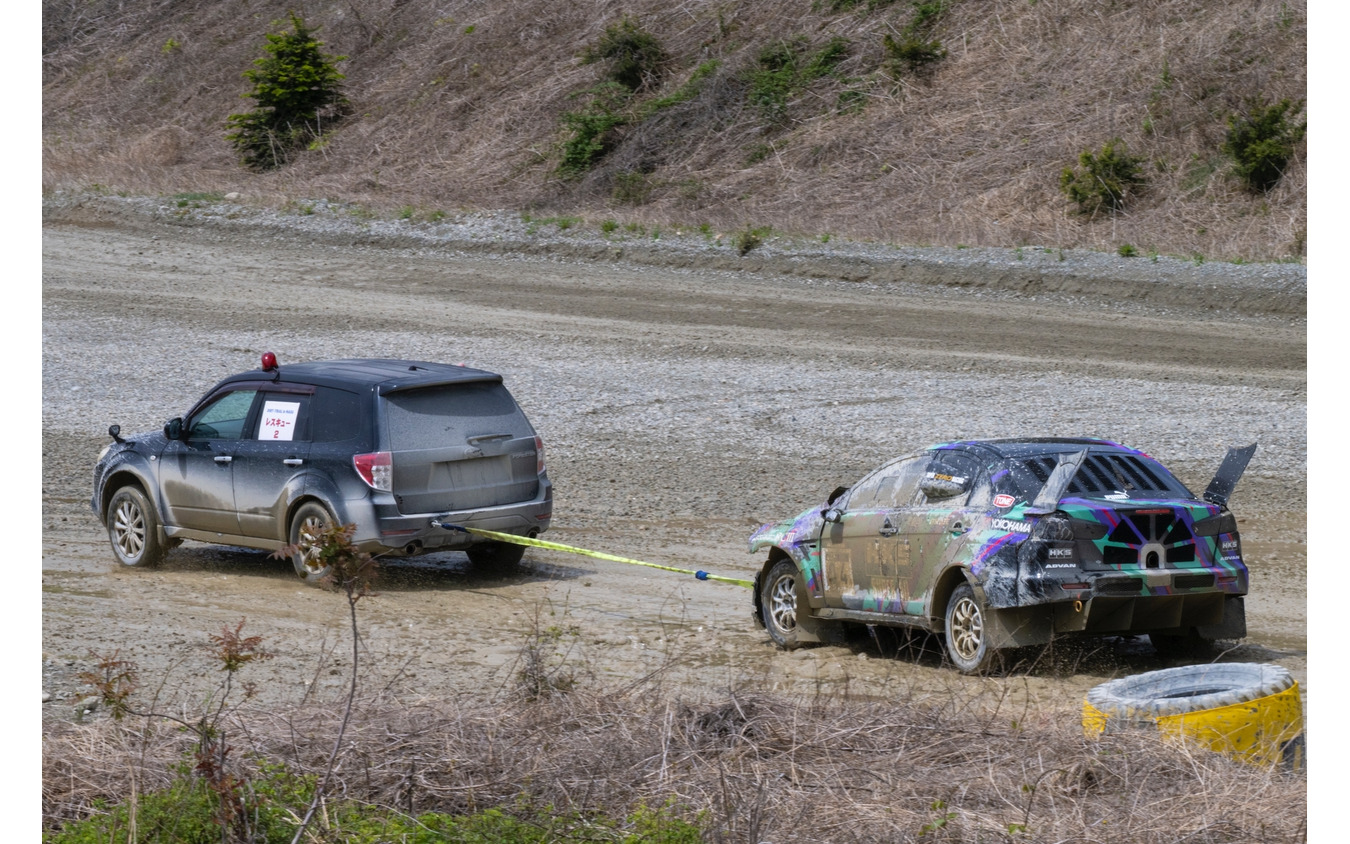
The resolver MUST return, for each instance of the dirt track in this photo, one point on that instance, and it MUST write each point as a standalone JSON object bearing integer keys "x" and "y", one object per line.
{"x": 679, "y": 408}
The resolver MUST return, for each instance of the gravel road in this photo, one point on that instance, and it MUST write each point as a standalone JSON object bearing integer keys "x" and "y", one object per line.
{"x": 685, "y": 394}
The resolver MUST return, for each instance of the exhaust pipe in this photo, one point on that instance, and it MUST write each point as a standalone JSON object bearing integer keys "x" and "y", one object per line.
{"x": 413, "y": 548}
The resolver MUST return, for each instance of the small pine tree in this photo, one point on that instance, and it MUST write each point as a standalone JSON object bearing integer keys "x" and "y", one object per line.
{"x": 1261, "y": 142}
{"x": 1103, "y": 180}
{"x": 296, "y": 88}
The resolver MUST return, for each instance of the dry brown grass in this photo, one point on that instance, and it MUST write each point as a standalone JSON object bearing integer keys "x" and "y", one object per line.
{"x": 759, "y": 767}
{"x": 452, "y": 119}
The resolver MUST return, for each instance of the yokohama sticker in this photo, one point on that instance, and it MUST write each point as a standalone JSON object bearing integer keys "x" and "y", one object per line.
{"x": 1010, "y": 526}
{"x": 1003, "y": 500}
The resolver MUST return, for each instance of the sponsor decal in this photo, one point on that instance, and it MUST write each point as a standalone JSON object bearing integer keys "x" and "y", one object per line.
{"x": 1229, "y": 545}
{"x": 941, "y": 477}
{"x": 1117, "y": 496}
{"x": 1010, "y": 525}
{"x": 1061, "y": 552}
{"x": 1004, "y": 500}
{"x": 1061, "y": 566}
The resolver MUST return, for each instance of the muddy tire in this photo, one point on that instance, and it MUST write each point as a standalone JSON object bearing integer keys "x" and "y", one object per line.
{"x": 778, "y": 603}
{"x": 305, "y": 525}
{"x": 965, "y": 633}
{"x": 502, "y": 556}
{"x": 133, "y": 529}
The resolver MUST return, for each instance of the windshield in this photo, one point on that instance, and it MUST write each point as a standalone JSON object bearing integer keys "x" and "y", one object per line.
{"x": 1100, "y": 475}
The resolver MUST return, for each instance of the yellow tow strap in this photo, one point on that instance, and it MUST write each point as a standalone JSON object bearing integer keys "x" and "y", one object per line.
{"x": 556, "y": 546}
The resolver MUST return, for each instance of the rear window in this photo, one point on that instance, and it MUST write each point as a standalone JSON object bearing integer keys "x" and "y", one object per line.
{"x": 449, "y": 415}
{"x": 1099, "y": 475}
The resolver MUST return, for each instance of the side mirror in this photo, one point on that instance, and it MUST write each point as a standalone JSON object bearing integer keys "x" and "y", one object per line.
{"x": 833, "y": 515}
{"x": 834, "y": 496}
{"x": 115, "y": 431}
{"x": 942, "y": 486}
{"x": 173, "y": 429}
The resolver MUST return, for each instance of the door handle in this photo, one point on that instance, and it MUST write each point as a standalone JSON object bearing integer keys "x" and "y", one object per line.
{"x": 888, "y": 531}
{"x": 293, "y": 461}
{"x": 223, "y": 458}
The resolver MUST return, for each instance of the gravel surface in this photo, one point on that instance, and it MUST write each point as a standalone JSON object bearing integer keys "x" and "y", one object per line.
{"x": 685, "y": 394}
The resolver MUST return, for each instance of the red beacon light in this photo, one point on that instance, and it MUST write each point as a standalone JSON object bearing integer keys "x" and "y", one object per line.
{"x": 269, "y": 362}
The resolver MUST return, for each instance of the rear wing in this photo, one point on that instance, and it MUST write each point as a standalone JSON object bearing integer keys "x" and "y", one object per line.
{"x": 1230, "y": 470}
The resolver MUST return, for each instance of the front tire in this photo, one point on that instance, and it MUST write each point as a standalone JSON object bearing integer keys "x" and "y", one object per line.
{"x": 966, "y": 636}
{"x": 778, "y": 605}
{"x": 133, "y": 529}
{"x": 306, "y": 525}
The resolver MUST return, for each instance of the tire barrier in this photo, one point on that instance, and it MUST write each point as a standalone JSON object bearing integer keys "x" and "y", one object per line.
{"x": 1248, "y": 711}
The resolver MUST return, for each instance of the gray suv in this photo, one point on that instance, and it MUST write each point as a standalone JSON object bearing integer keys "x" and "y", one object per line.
{"x": 267, "y": 457}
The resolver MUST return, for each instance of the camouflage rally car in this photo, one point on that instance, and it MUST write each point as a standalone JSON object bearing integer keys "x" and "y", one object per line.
{"x": 1005, "y": 543}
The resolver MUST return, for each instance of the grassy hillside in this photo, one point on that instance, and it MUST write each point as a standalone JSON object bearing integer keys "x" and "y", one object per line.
{"x": 785, "y": 113}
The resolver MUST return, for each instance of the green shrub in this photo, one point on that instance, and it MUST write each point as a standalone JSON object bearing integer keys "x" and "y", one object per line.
{"x": 632, "y": 186}
{"x": 784, "y": 68}
{"x": 916, "y": 52}
{"x": 911, "y": 54}
{"x": 296, "y": 89}
{"x": 592, "y": 130}
{"x": 608, "y": 226}
{"x": 1104, "y": 180}
{"x": 1127, "y": 251}
{"x": 749, "y": 239}
{"x": 634, "y": 55}
{"x": 1261, "y": 142}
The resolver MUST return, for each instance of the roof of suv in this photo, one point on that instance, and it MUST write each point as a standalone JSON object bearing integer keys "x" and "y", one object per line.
{"x": 1041, "y": 445}
{"x": 386, "y": 375}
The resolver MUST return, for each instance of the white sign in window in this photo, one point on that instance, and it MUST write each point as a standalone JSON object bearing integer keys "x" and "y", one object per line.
{"x": 278, "y": 420}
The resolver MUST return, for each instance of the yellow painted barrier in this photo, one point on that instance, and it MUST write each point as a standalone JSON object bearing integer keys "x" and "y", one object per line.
{"x": 1216, "y": 707}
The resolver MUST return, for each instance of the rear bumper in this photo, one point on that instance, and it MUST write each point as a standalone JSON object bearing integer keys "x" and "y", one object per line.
{"x": 380, "y": 528}
{"x": 1214, "y": 615}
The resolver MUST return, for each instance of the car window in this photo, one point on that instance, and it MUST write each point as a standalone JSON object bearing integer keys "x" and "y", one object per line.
{"x": 223, "y": 418}
{"x": 284, "y": 417}
{"x": 335, "y": 415}
{"x": 1100, "y": 474}
{"x": 435, "y": 417}
{"x": 891, "y": 486}
{"x": 959, "y": 468}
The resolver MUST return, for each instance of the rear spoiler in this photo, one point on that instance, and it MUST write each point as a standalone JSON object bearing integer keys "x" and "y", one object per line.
{"x": 1048, "y": 498}
{"x": 1230, "y": 470}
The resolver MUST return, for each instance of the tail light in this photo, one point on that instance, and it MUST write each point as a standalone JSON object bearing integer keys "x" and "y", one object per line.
{"x": 539, "y": 450}
{"x": 376, "y": 469}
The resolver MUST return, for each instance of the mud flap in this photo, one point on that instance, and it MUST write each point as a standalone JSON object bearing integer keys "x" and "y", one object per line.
{"x": 1234, "y": 624}
{"x": 1018, "y": 627}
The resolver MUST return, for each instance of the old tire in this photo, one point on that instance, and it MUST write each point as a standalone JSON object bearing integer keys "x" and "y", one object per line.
{"x": 133, "y": 528}
{"x": 966, "y": 637}
{"x": 778, "y": 601}
{"x": 1246, "y": 710}
{"x": 311, "y": 518}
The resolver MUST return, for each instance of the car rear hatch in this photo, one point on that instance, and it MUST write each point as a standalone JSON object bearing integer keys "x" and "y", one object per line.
{"x": 459, "y": 446}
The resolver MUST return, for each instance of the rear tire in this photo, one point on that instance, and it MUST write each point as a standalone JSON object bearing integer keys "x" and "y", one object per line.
{"x": 133, "y": 529}
{"x": 1187, "y": 644}
{"x": 966, "y": 637}
{"x": 311, "y": 518}
{"x": 502, "y": 556}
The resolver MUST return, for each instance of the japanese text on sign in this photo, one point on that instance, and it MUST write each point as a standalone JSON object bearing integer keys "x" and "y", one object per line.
{"x": 278, "y": 420}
